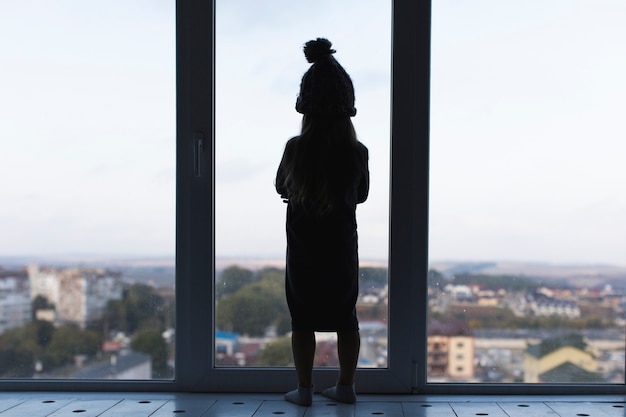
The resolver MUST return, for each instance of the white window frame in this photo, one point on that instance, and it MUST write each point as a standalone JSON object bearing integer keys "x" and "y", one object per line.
{"x": 408, "y": 252}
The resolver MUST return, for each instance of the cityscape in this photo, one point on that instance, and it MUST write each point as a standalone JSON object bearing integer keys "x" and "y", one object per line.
{"x": 84, "y": 322}
{"x": 487, "y": 323}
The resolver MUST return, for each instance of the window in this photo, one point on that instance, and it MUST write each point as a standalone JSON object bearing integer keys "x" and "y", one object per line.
{"x": 409, "y": 362}
{"x": 255, "y": 90}
{"x": 195, "y": 239}
{"x": 524, "y": 217}
{"x": 87, "y": 134}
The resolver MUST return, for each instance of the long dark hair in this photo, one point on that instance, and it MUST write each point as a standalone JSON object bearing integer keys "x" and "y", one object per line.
{"x": 321, "y": 161}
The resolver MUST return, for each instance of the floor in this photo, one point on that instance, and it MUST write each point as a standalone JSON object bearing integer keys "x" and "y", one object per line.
{"x": 36, "y": 404}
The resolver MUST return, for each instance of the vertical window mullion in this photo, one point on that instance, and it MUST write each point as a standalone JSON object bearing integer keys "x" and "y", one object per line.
{"x": 194, "y": 240}
{"x": 409, "y": 190}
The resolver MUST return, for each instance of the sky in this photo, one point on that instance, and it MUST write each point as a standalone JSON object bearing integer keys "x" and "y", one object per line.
{"x": 527, "y": 143}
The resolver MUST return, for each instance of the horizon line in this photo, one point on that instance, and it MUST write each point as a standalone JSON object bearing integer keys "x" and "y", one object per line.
{"x": 272, "y": 259}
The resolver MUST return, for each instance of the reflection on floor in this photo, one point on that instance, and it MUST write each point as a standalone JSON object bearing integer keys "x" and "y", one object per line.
{"x": 36, "y": 404}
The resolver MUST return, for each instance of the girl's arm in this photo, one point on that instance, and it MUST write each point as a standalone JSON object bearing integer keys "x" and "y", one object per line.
{"x": 364, "y": 183}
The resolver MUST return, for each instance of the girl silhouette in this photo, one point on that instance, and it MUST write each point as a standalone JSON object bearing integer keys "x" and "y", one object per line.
{"x": 322, "y": 176}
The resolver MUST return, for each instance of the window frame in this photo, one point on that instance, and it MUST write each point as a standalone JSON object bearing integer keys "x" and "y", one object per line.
{"x": 397, "y": 377}
{"x": 408, "y": 251}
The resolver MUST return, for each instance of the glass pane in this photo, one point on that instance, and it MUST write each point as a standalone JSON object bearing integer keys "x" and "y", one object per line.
{"x": 259, "y": 66}
{"x": 528, "y": 225}
{"x": 87, "y": 138}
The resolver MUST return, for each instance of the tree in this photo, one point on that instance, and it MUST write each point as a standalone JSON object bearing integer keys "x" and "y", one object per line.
{"x": 42, "y": 331}
{"x": 21, "y": 346}
{"x": 139, "y": 307}
{"x": 114, "y": 316}
{"x": 254, "y": 307}
{"x": 150, "y": 341}
{"x": 66, "y": 343}
{"x": 17, "y": 352}
{"x": 142, "y": 306}
{"x": 232, "y": 279}
{"x": 16, "y": 363}
{"x": 246, "y": 311}
{"x": 283, "y": 324}
{"x": 511, "y": 283}
{"x": 277, "y": 353}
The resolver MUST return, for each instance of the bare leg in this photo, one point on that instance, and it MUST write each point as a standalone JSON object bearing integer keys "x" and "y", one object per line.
{"x": 303, "y": 348}
{"x": 348, "y": 346}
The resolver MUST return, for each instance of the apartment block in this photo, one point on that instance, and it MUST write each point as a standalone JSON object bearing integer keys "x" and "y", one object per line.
{"x": 79, "y": 295}
{"x": 450, "y": 351}
{"x": 15, "y": 302}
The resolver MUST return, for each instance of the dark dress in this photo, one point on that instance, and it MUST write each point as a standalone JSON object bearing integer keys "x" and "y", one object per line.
{"x": 322, "y": 252}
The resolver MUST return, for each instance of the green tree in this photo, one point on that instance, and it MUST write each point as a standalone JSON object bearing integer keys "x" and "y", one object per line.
{"x": 16, "y": 363}
{"x": 21, "y": 346}
{"x": 66, "y": 343}
{"x": 232, "y": 279}
{"x": 277, "y": 353}
{"x": 275, "y": 275}
{"x": 143, "y": 307}
{"x": 114, "y": 316}
{"x": 150, "y": 341}
{"x": 139, "y": 307}
{"x": 254, "y": 307}
{"x": 246, "y": 312}
{"x": 18, "y": 350}
{"x": 512, "y": 283}
{"x": 283, "y": 324}
{"x": 42, "y": 332}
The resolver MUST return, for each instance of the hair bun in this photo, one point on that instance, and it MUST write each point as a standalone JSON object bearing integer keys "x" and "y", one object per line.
{"x": 317, "y": 49}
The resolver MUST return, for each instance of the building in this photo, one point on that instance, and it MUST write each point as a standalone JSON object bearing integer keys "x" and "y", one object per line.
{"x": 450, "y": 351}
{"x": 15, "y": 302}
{"x": 79, "y": 295}
{"x": 560, "y": 360}
{"x": 543, "y": 304}
{"x": 559, "y": 308}
{"x": 226, "y": 343}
